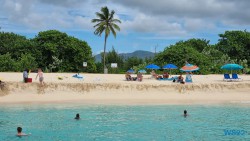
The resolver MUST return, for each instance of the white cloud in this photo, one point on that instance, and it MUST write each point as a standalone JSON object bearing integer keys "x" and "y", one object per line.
{"x": 163, "y": 19}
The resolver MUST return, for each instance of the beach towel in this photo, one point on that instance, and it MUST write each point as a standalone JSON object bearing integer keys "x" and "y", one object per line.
{"x": 78, "y": 76}
{"x": 168, "y": 79}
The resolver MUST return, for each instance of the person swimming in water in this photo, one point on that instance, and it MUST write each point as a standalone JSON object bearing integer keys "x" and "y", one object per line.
{"x": 19, "y": 132}
{"x": 185, "y": 113}
{"x": 77, "y": 116}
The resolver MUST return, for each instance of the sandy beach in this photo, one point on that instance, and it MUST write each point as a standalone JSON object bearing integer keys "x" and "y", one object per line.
{"x": 113, "y": 89}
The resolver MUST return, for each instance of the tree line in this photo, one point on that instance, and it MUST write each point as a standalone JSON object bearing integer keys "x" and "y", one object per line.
{"x": 55, "y": 51}
{"x": 232, "y": 47}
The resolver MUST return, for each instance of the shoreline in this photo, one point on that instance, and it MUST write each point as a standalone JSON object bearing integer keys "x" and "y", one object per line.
{"x": 112, "y": 89}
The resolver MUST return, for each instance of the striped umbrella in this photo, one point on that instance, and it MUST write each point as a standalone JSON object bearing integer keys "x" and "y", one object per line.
{"x": 189, "y": 68}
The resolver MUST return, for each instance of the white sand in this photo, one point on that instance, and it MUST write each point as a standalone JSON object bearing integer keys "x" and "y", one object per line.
{"x": 113, "y": 89}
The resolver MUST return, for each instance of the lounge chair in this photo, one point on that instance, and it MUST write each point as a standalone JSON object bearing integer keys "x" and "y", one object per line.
{"x": 227, "y": 77}
{"x": 235, "y": 77}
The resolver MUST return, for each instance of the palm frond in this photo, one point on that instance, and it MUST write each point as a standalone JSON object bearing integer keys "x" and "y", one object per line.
{"x": 106, "y": 23}
{"x": 99, "y": 24}
{"x": 113, "y": 31}
{"x": 115, "y": 21}
{"x": 100, "y": 15}
{"x": 115, "y": 26}
{"x": 99, "y": 30}
{"x": 105, "y": 12}
{"x": 96, "y": 20}
{"x": 111, "y": 15}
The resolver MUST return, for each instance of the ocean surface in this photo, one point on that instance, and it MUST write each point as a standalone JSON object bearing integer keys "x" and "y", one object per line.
{"x": 55, "y": 122}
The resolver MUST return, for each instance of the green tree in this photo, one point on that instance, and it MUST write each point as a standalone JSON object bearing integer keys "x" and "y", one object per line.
{"x": 16, "y": 45}
{"x": 107, "y": 23}
{"x": 113, "y": 57}
{"x": 26, "y": 61}
{"x": 132, "y": 62}
{"x": 236, "y": 44}
{"x": 71, "y": 52}
{"x": 7, "y": 63}
{"x": 181, "y": 52}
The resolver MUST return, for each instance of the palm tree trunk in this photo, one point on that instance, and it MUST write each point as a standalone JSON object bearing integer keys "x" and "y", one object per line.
{"x": 104, "y": 55}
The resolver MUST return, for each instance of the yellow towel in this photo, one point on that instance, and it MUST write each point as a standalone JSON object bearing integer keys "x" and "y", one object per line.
{"x": 60, "y": 78}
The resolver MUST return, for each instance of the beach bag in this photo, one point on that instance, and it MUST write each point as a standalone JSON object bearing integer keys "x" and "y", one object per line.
{"x": 174, "y": 80}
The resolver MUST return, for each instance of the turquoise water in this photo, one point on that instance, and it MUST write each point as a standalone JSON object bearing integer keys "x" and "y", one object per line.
{"x": 124, "y": 123}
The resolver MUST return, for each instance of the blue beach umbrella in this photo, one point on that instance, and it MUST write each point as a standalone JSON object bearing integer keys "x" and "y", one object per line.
{"x": 170, "y": 67}
{"x": 131, "y": 71}
{"x": 142, "y": 71}
{"x": 232, "y": 67}
{"x": 152, "y": 66}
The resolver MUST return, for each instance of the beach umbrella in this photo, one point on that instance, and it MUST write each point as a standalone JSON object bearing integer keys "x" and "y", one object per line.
{"x": 131, "y": 71}
{"x": 152, "y": 66}
{"x": 189, "y": 68}
{"x": 232, "y": 67}
{"x": 170, "y": 67}
{"x": 142, "y": 71}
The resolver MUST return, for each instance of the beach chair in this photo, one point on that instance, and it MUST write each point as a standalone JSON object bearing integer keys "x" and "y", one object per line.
{"x": 227, "y": 77}
{"x": 235, "y": 77}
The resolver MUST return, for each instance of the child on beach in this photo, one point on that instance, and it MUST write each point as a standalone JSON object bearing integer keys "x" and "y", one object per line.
{"x": 40, "y": 74}
{"x": 139, "y": 76}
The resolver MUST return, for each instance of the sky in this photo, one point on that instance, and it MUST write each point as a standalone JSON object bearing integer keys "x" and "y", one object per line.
{"x": 149, "y": 25}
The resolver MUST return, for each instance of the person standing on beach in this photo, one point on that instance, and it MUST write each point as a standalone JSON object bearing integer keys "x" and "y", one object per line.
{"x": 25, "y": 75}
{"x": 40, "y": 74}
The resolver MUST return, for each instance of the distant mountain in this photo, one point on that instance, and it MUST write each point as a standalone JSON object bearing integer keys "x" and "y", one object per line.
{"x": 139, "y": 53}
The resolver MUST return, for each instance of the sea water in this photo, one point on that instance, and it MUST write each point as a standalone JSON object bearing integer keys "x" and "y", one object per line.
{"x": 125, "y": 123}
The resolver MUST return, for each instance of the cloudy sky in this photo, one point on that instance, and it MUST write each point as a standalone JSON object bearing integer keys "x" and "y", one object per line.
{"x": 146, "y": 24}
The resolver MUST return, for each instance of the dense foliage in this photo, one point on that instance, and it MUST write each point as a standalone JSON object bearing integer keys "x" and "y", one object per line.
{"x": 233, "y": 47}
{"x": 50, "y": 50}
{"x": 57, "y": 52}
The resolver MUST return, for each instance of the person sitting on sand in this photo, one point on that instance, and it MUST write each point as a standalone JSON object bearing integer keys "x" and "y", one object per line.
{"x": 180, "y": 78}
{"x": 77, "y": 116}
{"x": 128, "y": 76}
{"x": 139, "y": 76}
{"x": 19, "y": 132}
{"x": 165, "y": 75}
{"x": 153, "y": 74}
{"x": 185, "y": 113}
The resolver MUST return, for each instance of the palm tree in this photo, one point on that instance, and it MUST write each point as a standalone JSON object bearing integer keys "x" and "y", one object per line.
{"x": 105, "y": 22}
